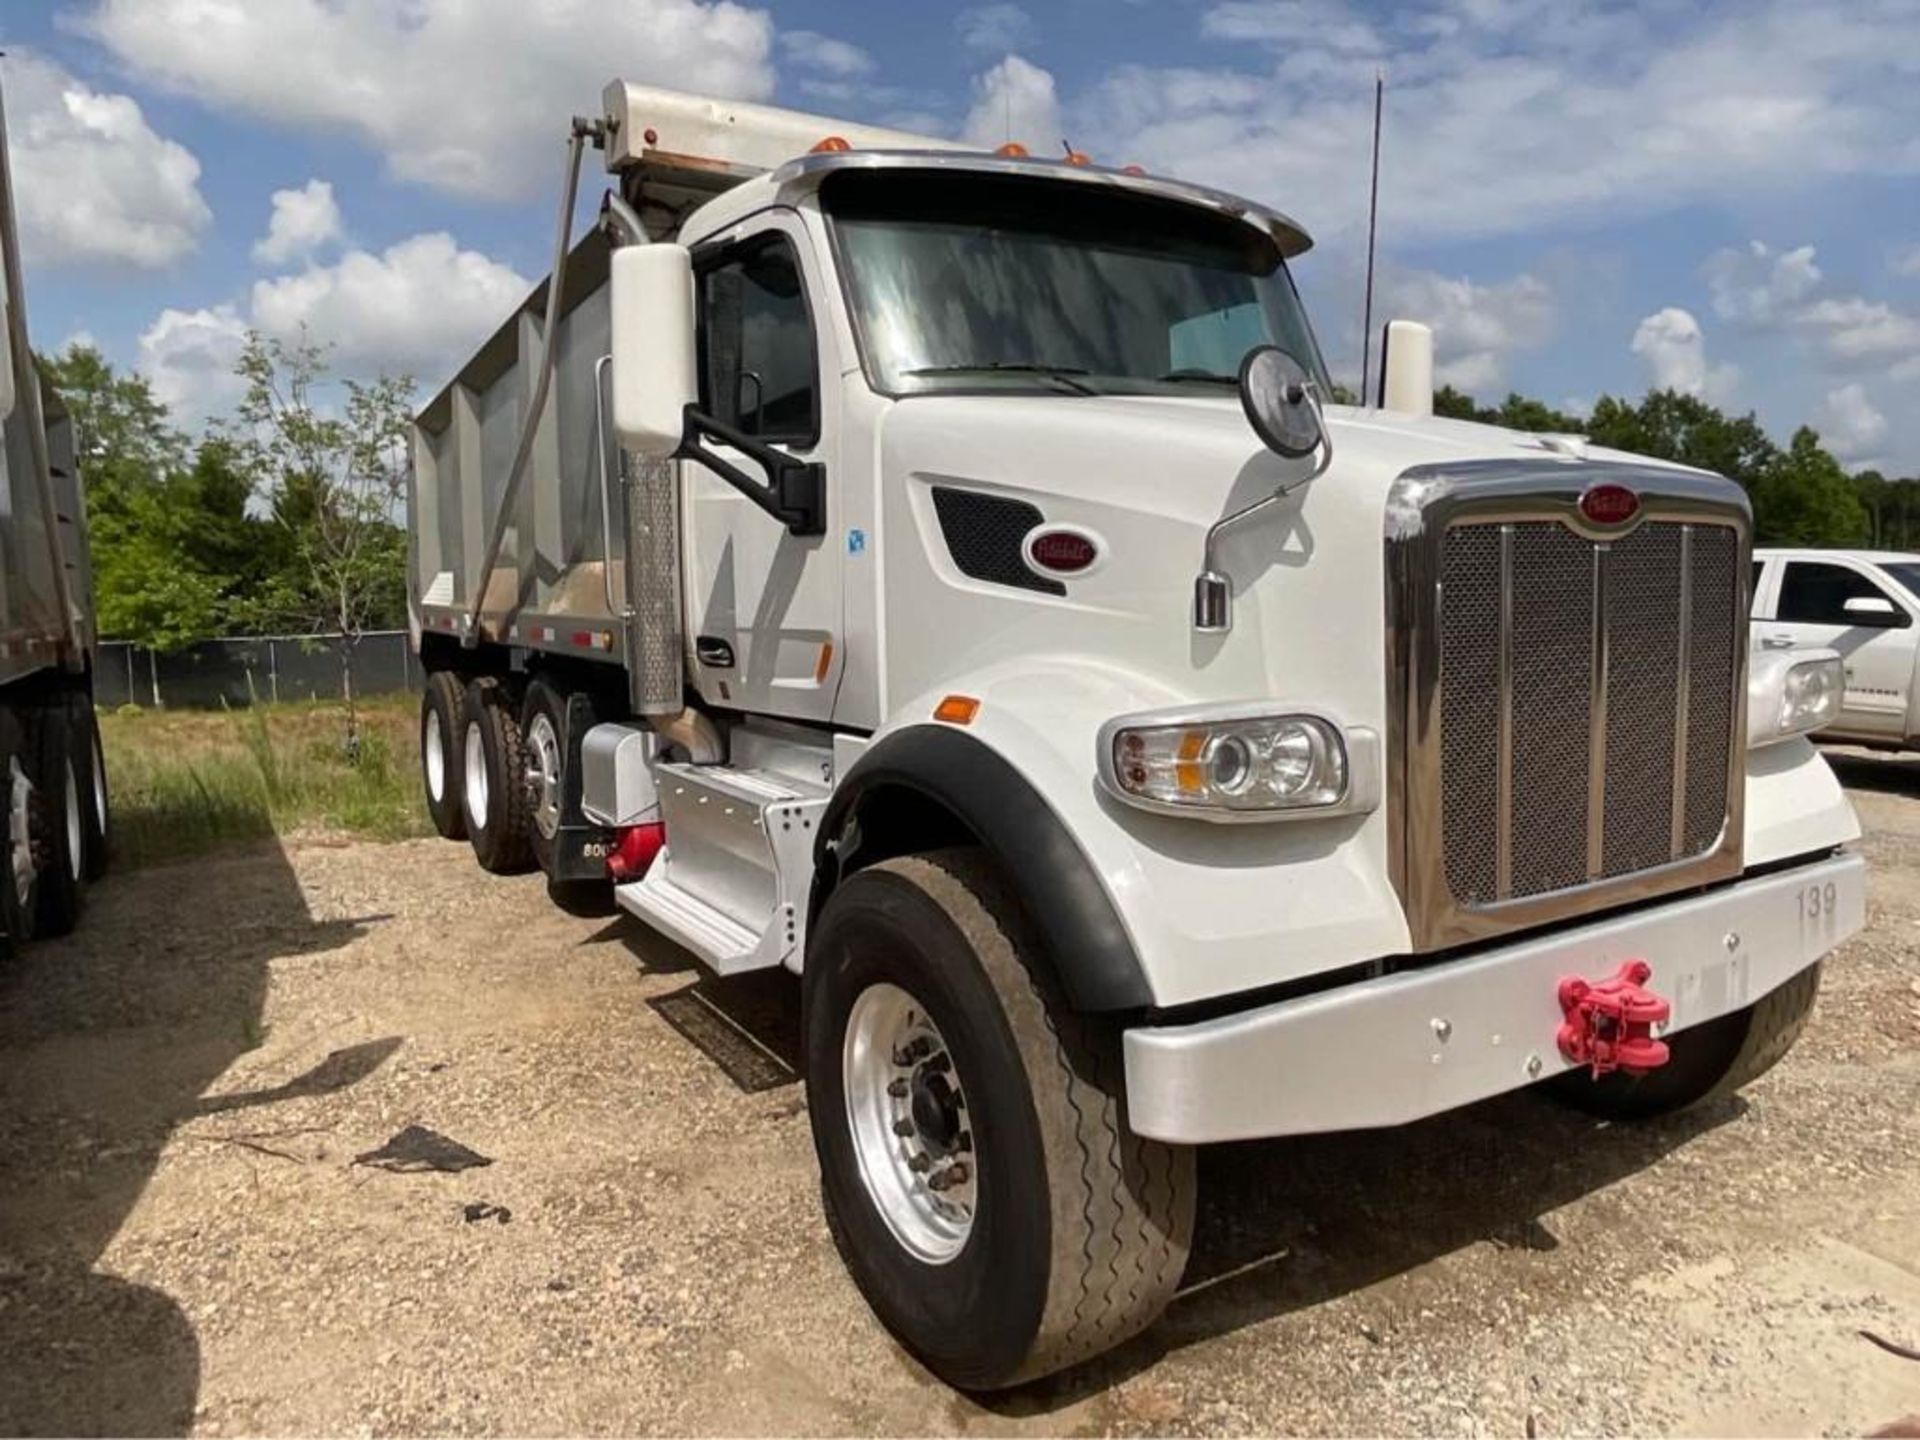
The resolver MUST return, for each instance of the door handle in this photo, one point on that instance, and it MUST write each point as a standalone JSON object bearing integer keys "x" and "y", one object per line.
{"x": 1776, "y": 642}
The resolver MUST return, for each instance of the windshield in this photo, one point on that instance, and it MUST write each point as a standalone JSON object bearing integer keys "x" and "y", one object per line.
{"x": 971, "y": 282}
{"x": 1907, "y": 573}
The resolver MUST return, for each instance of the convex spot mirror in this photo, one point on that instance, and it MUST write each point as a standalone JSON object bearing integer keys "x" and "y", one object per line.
{"x": 1278, "y": 395}
{"x": 654, "y": 373}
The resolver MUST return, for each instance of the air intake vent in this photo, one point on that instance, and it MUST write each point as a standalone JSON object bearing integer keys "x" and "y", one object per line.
{"x": 983, "y": 534}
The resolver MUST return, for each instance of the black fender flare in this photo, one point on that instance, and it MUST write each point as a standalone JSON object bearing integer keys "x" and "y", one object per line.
{"x": 1092, "y": 955}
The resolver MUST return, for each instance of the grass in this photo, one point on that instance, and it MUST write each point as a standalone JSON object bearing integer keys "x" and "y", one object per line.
{"x": 184, "y": 782}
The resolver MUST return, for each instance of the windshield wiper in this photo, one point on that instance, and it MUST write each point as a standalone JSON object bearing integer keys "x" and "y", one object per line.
{"x": 1198, "y": 377}
{"x": 1063, "y": 374}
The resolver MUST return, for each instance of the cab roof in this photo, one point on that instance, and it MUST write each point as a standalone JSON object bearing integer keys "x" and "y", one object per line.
{"x": 804, "y": 175}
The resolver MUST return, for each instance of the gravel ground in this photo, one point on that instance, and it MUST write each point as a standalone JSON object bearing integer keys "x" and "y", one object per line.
{"x": 186, "y": 1242}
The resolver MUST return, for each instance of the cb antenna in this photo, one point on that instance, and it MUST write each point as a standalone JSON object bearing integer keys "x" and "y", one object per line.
{"x": 1373, "y": 226}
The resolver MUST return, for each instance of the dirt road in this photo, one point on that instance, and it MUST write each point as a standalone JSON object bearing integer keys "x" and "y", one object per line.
{"x": 187, "y": 1243}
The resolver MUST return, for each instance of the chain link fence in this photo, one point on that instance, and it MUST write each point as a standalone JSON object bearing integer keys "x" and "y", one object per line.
{"x": 236, "y": 672}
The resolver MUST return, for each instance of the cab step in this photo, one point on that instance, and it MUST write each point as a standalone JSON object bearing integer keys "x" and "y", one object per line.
{"x": 732, "y": 882}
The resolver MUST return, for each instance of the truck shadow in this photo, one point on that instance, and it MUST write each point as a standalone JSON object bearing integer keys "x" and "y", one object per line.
{"x": 109, "y": 1039}
{"x": 1288, "y": 1225}
{"x": 1884, "y": 772}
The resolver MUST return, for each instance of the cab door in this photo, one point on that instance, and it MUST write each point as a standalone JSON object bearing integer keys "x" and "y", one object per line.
{"x": 763, "y": 605}
{"x": 1841, "y": 605}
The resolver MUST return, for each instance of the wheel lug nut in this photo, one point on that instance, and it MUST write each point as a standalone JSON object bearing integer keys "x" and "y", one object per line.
{"x": 898, "y": 1089}
{"x": 958, "y": 1172}
{"x": 903, "y": 1128}
{"x": 941, "y": 1063}
{"x": 918, "y": 1163}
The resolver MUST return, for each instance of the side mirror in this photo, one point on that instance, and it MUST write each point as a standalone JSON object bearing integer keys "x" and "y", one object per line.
{"x": 655, "y": 374}
{"x": 1406, "y": 368}
{"x": 1277, "y": 394}
{"x": 1874, "y": 611}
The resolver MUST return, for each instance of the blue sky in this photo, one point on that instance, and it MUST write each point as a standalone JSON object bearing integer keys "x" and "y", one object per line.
{"x": 1582, "y": 198}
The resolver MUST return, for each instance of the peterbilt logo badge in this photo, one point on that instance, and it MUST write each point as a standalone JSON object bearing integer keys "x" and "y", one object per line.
{"x": 1060, "y": 550}
{"x": 1609, "y": 505}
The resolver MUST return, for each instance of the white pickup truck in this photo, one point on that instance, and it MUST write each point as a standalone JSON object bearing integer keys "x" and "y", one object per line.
{"x": 939, "y": 573}
{"x": 1863, "y": 604}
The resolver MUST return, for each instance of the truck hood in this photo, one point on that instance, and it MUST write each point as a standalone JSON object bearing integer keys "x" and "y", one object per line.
{"x": 1146, "y": 476}
{"x": 1190, "y": 454}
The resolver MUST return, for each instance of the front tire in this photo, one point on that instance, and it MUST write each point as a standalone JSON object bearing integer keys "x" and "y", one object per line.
{"x": 494, "y": 787}
{"x": 1707, "y": 1062}
{"x": 1064, "y": 1233}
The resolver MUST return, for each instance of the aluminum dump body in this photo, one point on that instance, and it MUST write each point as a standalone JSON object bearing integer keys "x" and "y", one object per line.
{"x": 46, "y": 578}
{"x": 32, "y": 635}
{"x": 557, "y": 584}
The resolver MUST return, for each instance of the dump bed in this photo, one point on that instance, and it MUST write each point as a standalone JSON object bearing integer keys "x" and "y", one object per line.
{"x": 557, "y": 583}
{"x": 559, "y": 580}
{"x": 45, "y": 578}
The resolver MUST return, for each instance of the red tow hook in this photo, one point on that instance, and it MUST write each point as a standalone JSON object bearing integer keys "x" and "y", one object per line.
{"x": 1609, "y": 1024}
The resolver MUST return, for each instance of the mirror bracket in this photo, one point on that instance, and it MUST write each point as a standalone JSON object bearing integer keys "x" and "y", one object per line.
{"x": 795, "y": 492}
{"x": 1212, "y": 591}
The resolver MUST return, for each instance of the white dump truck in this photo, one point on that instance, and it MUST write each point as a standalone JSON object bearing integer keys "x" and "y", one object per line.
{"x": 942, "y": 574}
{"x": 53, "y": 784}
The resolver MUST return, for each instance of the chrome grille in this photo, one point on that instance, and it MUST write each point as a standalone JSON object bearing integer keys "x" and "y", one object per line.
{"x": 1585, "y": 702}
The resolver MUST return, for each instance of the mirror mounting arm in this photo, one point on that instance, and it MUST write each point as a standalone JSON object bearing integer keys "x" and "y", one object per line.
{"x": 796, "y": 492}
{"x": 1213, "y": 591}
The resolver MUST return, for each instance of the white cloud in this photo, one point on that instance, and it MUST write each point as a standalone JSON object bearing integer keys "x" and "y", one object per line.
{"x": 1502, "y": 117}
{"x": 1315, "y": 24}
{"x": 1476, "y": 327}
{"x": 997, "y": 29}
{"x": 416, "y": 308}
{"x": 811, "y": 50}
{"x": 467, "y": 96}
{"x": 96, "y": 183}
{"x": 1856, "y": 330}
{"x": 1015, "y": 100}
{"x": 1849, "y": 422}
{"x": 188, "y": 356}
{"x": 303, "y": 220}
{"x": 1758, "y": 285}
{"x": 1675, "y": 350}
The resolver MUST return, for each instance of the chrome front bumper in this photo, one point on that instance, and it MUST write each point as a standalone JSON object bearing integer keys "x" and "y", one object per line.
{"x": 1394, "y": 1049}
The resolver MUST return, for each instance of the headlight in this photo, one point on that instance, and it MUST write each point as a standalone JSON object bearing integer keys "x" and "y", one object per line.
{"x": 1231, "y": 764}
{"x": 1810, "y": 698}
{"x": 1796, "y": 693}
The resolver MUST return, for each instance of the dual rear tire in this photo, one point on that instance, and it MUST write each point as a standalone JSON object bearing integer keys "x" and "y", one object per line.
{"x": 53, "y": 803}
{"x": 496, "y": 768}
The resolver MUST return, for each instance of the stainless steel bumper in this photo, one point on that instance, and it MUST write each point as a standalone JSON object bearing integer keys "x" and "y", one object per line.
{"x": 1386, "y": 1051}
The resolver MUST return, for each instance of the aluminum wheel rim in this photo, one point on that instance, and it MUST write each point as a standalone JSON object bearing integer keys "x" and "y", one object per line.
{"x": 433, "y": 755}
{"x": 75, "y": 840}
{"x": 476, "y": 767}
{"x": 20, "y": 830}
{"x": 912, "y": 1134}
{"x": 543, "y": 773}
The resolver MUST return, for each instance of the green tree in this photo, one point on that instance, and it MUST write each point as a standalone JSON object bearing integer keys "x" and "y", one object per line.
{"x": 1805, "y": 498}
{"x": 123, "y": 438}
{"x": 1670, "y": 425}
{"x": 333, "y": 479}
